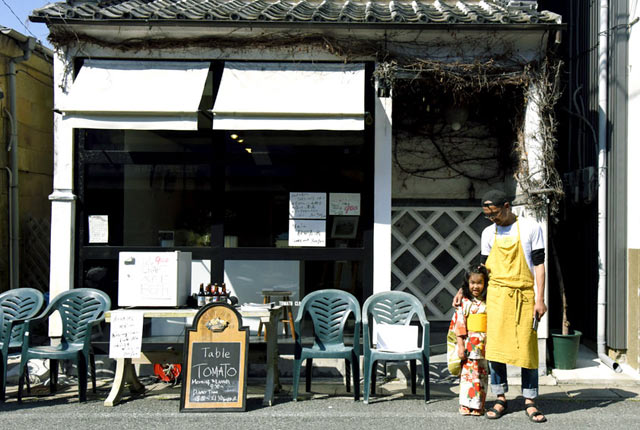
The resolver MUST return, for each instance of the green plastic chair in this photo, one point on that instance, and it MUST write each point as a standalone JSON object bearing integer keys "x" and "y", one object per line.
{"x": 329, "y": 311}
{"x": 394, "y": 307}
{"x": 80, "y": 310}
{"x": 16, "y": 305}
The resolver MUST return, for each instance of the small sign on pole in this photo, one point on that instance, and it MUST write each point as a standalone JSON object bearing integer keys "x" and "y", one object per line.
{"x": 215, "y": 361}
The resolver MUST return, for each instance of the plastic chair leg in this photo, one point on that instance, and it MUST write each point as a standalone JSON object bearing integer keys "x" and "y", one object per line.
{"x": 53, "y": 371}
{"x": 28, "y": 380}
{"x": 426, "y": 378}
{"x": 296, "y": 378}
{"x": 3, "y": 379}
{"x": 367, "y": 378}
{"x": 347, "y": 371}
{"x": 412, "y": 367}
{"x": 309, "y": 371}
{"x": 82, "y": 377}
{"x": 92, "y": 361}
{"x": 374, "y": 375}
{"x": 355, "y": 365}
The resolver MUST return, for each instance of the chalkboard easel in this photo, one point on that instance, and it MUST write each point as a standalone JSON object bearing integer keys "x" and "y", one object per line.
{"x": 215, "y": 361}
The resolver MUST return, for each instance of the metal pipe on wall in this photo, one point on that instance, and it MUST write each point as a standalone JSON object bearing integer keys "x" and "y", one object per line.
{"x": 14, "y": 216}
{"x": 603, "y": 60}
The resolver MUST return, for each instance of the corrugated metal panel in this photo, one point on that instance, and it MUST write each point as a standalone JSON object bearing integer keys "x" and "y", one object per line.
{"x": 617, "y": 176}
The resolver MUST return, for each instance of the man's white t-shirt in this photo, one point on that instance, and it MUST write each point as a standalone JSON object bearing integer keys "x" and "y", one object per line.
{"x": 530, "y": 236}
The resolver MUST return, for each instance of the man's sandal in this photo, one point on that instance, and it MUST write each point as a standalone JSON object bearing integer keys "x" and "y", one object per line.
{"x": 497, "y": 413}
{"x": 532, "y": 416}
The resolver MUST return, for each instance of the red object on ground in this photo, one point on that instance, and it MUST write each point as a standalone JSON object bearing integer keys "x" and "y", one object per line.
{"x": 167, "y": 372}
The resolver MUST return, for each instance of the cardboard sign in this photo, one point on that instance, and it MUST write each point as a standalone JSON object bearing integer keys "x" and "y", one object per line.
{"x": 215, "y": 362}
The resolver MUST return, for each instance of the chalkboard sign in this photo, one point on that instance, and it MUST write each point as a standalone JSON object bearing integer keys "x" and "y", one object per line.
{"x": 215, "y": 362}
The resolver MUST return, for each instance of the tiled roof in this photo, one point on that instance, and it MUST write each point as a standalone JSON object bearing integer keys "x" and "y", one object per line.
{"x": 320, "y": 11}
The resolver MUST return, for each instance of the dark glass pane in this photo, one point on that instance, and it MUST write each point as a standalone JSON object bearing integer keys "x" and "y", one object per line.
{"x": 445, "y": 263}
{"x": 463, "y": 244}
{"x": 425, "y": 244}
{"x": 442, "y": 301}
{"x": 395, "y": 244}
{"x": 444, "y": 225}
{"x": 406, "y": 225}
{"x": 425, "y": 214}
{"x": 406, "y": 262}
{"x": 479, "y": 224}
{"x": 395, "y": 281}
{"x": 425, "y": 281}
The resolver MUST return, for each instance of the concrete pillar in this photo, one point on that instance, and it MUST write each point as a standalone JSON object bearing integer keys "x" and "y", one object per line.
{"x": 533, "y": 148}
{"x": 63, "y": 207}
{"x": 382, "y": 196}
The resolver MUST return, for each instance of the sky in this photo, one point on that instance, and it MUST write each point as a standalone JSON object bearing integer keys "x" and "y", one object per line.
{"x": 14, "y": 14}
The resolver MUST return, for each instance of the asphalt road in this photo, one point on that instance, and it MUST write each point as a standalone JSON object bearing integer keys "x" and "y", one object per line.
{"x": 322, "y": 412}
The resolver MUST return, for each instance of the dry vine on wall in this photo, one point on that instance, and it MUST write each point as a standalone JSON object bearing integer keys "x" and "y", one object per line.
{"x": 498, "y": 95}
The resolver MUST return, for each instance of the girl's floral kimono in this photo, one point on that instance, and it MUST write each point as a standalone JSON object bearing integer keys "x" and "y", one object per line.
{"x": 475, "y": 370}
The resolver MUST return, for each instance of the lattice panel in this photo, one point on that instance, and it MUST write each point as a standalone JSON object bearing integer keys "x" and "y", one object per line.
{"x": 431, "y": 248}
{"x": 34, "y": 264}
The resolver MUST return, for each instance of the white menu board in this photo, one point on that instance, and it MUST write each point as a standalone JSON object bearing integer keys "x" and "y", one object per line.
{"x": 308, "y": 205}
{"x": 304, "y": 232}
{"x": 344, "y": 204}
{"x": 126, "y": 334}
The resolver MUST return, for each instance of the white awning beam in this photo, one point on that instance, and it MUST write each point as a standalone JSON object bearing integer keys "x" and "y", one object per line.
{"x": 290, "y": 96}
{"x": 142, "y": 95}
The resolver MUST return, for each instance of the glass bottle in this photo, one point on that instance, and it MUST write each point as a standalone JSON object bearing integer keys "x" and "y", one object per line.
{"x": 224, "y": 294}
{"x": 201, "y": 296}
{"x": 216, "y": 292}
{"x": 208, "y": 295}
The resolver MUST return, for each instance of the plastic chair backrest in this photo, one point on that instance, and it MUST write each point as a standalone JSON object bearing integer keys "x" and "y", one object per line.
{"x": 393, "y": 307}
{"x": 77, "y": 308}
{"x": 329, "y": 311}
{"x": 21, "y": 303}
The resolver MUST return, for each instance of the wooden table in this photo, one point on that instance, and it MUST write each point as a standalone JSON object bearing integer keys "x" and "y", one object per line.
{"x": 126, "y": 372}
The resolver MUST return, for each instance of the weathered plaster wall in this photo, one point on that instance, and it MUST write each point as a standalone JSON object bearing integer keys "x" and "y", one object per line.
{"x": 449, "y": 184}
{"x": 34, "y": 103}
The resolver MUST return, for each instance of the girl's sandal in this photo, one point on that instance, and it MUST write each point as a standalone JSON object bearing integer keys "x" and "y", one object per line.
{"x": 464, "y": 410}
{"x": 532, "y": 416}
{"x": 497, "y": 413}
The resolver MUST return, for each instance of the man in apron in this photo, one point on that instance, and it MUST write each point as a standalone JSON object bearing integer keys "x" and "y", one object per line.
{"x": 513, "y": 251}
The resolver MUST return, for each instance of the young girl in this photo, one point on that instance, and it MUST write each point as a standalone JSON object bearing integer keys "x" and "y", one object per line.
{"x": 470, "y": 325}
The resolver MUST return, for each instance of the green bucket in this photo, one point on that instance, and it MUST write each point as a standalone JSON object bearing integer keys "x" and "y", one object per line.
{"x": 565, "y": 349}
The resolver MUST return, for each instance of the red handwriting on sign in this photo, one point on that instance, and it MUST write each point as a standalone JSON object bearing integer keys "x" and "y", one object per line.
{"x": 350, "y": 208}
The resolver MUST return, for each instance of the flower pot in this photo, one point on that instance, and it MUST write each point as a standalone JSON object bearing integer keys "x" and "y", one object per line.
{"x": 565, "y": 349}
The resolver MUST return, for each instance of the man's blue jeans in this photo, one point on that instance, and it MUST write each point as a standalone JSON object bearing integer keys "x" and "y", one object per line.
{"x": 499, "y": 384}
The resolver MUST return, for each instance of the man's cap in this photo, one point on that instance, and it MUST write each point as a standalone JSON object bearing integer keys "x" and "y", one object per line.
{"x": 496, "y": 198}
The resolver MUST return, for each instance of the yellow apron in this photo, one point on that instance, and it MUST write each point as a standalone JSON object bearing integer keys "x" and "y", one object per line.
{"x": 510, "y": 304}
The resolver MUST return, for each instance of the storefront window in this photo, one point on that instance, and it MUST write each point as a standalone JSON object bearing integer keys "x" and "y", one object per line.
{"x": 147, "y": 188}
{"x": 264, "y": 167}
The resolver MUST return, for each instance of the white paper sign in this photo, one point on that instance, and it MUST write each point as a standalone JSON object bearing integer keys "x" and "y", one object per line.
{"x": 396, "y": 338}
{"x": 308, "y": 205}
{"x": 126, "y": 334}
{"x": 344, "y": 204}
{"x": 98, "y": 228}
{"x": 307, "y": 233}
